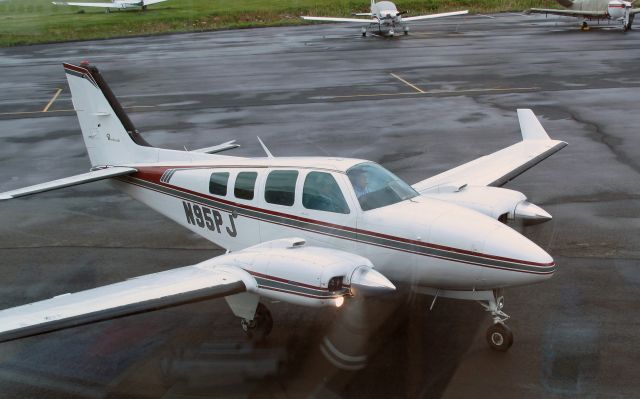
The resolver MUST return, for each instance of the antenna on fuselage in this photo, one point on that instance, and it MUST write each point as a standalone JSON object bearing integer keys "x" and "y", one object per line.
{"x": 264, "y": 147}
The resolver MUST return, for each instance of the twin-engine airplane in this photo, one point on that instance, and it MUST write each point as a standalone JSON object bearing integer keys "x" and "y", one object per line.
{"x": 311, "y": 231}
{"x": 384, "y": 18}
{"x": 118, "y": 4}
{"x": 615, "y": 10}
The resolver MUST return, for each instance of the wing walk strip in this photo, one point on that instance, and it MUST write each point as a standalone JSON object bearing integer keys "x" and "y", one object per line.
{"x": 363, "y": 236}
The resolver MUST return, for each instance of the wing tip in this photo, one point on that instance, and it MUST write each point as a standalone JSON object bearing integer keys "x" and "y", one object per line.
{"x": 530, "y": 125}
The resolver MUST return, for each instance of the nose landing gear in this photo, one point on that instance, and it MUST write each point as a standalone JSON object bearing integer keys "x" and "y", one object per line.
{"x": 499, "y": 336}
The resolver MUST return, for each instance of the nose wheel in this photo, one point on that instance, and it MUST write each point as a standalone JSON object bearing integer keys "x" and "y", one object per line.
{"x": 499, "y": 336}
{"x": 585, "y": 26}
{"x": 261, "y": 325}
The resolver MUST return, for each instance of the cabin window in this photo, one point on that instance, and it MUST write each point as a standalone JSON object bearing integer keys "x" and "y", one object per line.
{"x": 218, "y": 183}
{"x": 321, "y": 192}
{"x": 281, "y": 187}
{"x": 245, "y": 185}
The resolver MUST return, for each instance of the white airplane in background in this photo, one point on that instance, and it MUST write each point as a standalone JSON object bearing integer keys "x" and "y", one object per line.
{"x": 385, "y": 18}
{"x": 119, "y": 4}
{"x": 311, "y": 231}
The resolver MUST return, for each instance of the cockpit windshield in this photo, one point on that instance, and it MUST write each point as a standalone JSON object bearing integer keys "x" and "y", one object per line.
{"x": 376, "y": 187}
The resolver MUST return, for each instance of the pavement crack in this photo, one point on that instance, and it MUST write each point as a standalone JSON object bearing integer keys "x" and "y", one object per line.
{"x": 611, "y": 142}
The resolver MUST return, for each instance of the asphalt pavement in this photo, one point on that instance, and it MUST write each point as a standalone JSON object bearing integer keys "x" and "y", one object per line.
{"x": 417, "y": 104}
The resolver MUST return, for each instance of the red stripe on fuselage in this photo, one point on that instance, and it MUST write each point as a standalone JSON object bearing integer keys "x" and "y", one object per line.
{"x": 153, "y": 174}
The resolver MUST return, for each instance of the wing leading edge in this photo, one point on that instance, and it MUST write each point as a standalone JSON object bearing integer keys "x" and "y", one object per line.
{"x": 504, "y": 165}
{"x": 432, "y": 16}
{"x": 137, "y": 295}
{"x": 103, "y": 5}
{"x": 350, "y": 20}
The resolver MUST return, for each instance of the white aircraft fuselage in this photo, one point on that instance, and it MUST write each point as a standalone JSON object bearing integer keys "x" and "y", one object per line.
{"x": 419, "y": 241}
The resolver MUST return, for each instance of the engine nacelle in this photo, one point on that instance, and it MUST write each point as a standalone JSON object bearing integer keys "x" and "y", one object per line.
{"x": 288, "y": 270}
{"x": 499, "y": 203}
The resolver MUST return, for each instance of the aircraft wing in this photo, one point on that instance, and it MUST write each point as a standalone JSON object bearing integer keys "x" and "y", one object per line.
{"x": 88, "y": 177}
{"x": 351, "y": 20}
{"x": 502, "y": 166}
{"x": 149, "y": 2}
{"x": 432, "y": 16}
{"x": 568, "y": 13}
{"x": 137, "y": 295}
{"x": 103, "y": 5}
{"x": 634, "y": 11}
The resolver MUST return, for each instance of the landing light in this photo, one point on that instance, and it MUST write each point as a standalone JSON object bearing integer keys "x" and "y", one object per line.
{"x": 339, "y": 301}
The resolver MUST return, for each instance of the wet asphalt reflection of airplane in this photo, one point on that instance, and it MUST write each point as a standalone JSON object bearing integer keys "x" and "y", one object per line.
{"x": 311, "y": 231}
{"x": 384, "y": 19}
{"x": 614, "y": 10}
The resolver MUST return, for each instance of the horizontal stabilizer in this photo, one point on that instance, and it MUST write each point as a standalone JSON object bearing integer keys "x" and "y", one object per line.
{"x": 88, "y": 177}
{"x": 229, "y": 145}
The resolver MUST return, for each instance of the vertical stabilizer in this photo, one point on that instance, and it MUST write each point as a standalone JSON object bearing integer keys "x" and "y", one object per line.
{"x": 109, "y": 134}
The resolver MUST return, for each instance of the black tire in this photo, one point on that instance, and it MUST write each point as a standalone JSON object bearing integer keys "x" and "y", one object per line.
{"x": 261, "y": 326}
{"x": 499, "y": 337}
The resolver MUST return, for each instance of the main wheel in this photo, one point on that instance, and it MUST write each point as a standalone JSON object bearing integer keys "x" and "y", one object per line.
{"x": 499, "y": 337}
{"x": 261, "y": 325}
{"x": 584, "y": 27}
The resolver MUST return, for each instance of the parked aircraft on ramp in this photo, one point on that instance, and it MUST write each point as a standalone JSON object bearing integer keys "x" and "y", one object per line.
{"x": 312, "y": 231}
{"x": 384, "y": 19}
{"x": 614, "y": 10}
{"x": 118, "y": 4}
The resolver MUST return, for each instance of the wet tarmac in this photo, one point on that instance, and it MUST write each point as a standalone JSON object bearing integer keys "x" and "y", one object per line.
{"x": 419, "y": 105}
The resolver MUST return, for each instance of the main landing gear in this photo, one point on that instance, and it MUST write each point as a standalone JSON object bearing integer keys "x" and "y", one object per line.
{"x": 585, "y": 26}
{"x": 405, "y": 30}
{"x": 260, "y": 326}
{"x": 499, "y": 336}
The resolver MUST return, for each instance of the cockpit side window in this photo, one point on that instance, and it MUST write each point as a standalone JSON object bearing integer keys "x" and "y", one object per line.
{"x": 218, "y": 183}
{"x": 376, "y": 187}
{"x": 280, "y": 188}
{"x": 321, "y": 192}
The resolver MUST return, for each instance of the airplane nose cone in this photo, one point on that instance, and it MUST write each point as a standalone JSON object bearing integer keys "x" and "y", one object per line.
{"x": 513, "y": 252}
{"x": 370, "y": 282}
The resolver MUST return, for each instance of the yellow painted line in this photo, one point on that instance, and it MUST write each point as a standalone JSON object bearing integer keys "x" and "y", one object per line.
{"x": 413, "y": 93}
{"x": 482, "y": 90}
{"x": 407, "y": 83}
{"x": 55, "y": 96}
{"x": 434, "y": 92}
{"x": 46, "y": 109}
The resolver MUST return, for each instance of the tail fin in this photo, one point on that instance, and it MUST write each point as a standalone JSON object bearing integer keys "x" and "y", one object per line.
{"x": 110, "y": 136}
